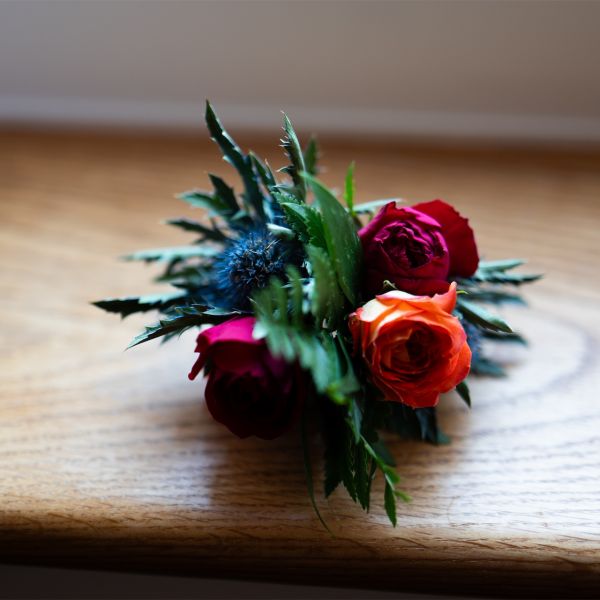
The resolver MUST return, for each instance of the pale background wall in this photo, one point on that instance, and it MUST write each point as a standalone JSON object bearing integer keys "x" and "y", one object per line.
{"x": 501, "y": 69}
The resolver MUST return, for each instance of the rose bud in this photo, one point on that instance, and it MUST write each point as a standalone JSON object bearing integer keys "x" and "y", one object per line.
{"x": 413, "y": 347}
{"x": 417, "y": 249}
{"x": 248, "y": 390}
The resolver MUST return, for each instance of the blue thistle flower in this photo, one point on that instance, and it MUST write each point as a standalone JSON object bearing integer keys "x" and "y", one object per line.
{"x": 248, "y": 263}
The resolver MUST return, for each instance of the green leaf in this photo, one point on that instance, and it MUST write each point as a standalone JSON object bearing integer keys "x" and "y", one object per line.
{"x": 500, "y": 265}
{"x": 292, "y": 148}
{"x": 175, "y": 253}
{"x": 314, "y": 352}
{"x": 374, "y": 206}
{"x": 311, "y": 156}
{"x": 178, "y": 320}
{"x": 417, "y": 424}
{"x": 492, "y": 296}
{"x": 343, "y": 244}
{"x": 326, "y": 300}
{"x": 486, "y": 366}
{"x": 355, "y": 419}
{"x": 463, "y": 391}
{"x": 296, "y": 294}
{"x": 339, "y": 449}
{"x": 308, "y": 470}
{"x": 185, "y": 275}
{"x": 225, "y": 193}
{"x": 133, "y": 304}
{"x": 362, "y": 478}
{"x": 306, "y": 222}
{"x": 390, "y": 503}
{"x": 265, "y": 174}
{"x": 210, "y": 202}
{"x": 234, "y": 156}
{"x": 501, "y": 278}
{"x": 349, "y": 189}
{"x": 208, "y": 233}
{"x": 478, "y": 315}
{"x": 499, "y": 336}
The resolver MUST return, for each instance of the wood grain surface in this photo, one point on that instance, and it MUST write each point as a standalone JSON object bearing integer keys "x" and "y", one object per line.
{"x": 109, "y": 458}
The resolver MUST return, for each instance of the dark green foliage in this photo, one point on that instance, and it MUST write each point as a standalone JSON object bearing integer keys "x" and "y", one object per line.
{"x": 416, "y": 424}
{"x": 133, "y": 304}
{"x": 349, "y": 189}
{"x": 253, "y": 198}
{"x": 343, "y": 245}
{"x": 179, "y": 319}
{"x": 206, "y": 233}
{"x": 292, "y": 148}
{"x": 311, "y": 157}
{"x": 354, "y": 453}
{"x": 210, "y": 202}
{"x": 463, "y": 391}
{"x": 486, "y": 366}
{"x": 171, "y": 254}
{"x": 480, "y": 316}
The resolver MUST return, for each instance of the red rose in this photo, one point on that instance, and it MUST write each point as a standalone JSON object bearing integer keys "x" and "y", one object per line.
{"x": 418, "y": 249}
{"x": 248, "y": 390}
{"x": 459, "y": 237}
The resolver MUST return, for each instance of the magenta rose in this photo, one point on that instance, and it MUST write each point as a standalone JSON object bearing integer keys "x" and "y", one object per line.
{"x": 248, "y": 390}
{"x": 418, "y": 248}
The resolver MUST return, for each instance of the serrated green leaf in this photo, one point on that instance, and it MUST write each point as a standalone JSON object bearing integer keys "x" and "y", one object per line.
{"x": 417, "y": 424}
{"x": 493, "y": 296}
{"x": 430, "y": 430}
{"x": 175, "y": 253}
{"x": 306, "y": 222}
{"x": 241, "y": 162}
{"x": 343, "y": 244}
{"x": 133, "y": 304}
{"x": 296, "y": 295}
{"x": 292, "y": 148}
{"x": 500, "y": 265}
{"x": 313, "y": 351}
{"x": 362, "y": 476}
{"x": 355, "y": 419}
{"x": 178, "y": 320}
{"x": 208, "y": 233}
{"x": 264, "y": 172}
{"x": 501, "y": 278}
{"x": 182, "y": 275}
{"x": 478, "y": 315}
{"x": 311, "y": 156}
{"x": 225, "y": 193}
{"x": 326, "y": 300}
{"x": 210, "y": 202}
{"x": 463, "y": 391}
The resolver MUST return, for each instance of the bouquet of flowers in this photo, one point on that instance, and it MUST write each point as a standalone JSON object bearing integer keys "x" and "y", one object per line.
{"x": 361, "y": 313}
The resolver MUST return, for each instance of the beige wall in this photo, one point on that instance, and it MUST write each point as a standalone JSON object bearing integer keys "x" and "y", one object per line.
{"x": 517, "y": 70}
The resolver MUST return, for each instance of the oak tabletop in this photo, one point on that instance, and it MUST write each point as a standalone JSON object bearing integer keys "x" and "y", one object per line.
{"x": 110, "y": 459}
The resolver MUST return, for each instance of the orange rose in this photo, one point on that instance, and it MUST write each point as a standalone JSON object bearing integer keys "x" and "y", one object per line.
{"x": 414, "y": 347}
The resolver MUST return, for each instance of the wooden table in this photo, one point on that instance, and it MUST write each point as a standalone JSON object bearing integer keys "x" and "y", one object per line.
{"x": 110, "y": 459}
